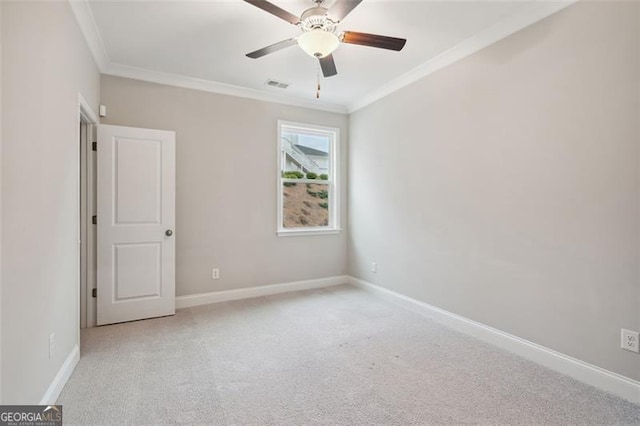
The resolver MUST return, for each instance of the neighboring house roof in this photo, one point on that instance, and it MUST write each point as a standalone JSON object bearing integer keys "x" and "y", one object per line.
{"x": 312, "y": 151}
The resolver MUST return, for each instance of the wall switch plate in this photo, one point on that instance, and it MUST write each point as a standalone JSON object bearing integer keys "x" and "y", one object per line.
{"x": 52, "y": 345}
{"x": 374, "y": 267}
{"x": 215, "y": 273}
{"x": 629, "y": 340}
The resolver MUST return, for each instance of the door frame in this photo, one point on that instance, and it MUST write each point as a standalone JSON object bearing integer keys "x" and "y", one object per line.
{"x": 88, "y": 121}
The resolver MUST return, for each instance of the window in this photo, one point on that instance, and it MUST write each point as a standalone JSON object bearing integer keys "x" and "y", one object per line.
{"x": 308, "y": 190}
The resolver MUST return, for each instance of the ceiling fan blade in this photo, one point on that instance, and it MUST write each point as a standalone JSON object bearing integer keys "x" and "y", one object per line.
{"x": 273, "y": 48}
{"x": 342, "y": 8}
{"x": 328, "y": 66}
{"x": 275, "y": 10}
{"x": 373, "y": 40}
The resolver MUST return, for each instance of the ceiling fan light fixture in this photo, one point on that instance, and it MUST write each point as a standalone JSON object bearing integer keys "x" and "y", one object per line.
{"x": 318, "y": 42}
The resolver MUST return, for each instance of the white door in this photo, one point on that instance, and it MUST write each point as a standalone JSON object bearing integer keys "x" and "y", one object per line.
{"x": 135, "y": 220}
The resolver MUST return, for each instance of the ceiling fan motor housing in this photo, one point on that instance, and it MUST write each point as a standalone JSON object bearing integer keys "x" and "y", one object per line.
{"x": 316, "y": 18}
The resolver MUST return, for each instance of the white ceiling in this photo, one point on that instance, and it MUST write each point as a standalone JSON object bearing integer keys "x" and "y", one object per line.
{"x": 208, "y": 40}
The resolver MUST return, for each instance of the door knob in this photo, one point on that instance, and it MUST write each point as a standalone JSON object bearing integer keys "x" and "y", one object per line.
{"x": 168, "y": 232}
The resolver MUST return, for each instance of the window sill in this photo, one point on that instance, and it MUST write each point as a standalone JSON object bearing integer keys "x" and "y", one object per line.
{"x": 308, "y": 232}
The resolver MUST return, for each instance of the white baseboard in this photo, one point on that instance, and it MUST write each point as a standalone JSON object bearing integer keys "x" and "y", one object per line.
{"x": 595, "y": 376}
{"x": 51, "y": 395}
{"x": 250, "y": 292}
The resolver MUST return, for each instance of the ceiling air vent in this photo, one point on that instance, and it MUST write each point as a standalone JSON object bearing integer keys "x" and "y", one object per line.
{"x": 278, "y": 84}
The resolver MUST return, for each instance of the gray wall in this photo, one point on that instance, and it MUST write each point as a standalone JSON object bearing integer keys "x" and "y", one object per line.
{"x": 505, "y": 188}
{"x": 226, "y": 185}
{"x": 45, "y": 64}
{"x": 1, "y": 200}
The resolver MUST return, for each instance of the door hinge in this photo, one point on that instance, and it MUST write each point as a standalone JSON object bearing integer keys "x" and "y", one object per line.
{"x": 94, "y": 220}
{"x": 94, "y": 292}
{"x": 94, "y": 146}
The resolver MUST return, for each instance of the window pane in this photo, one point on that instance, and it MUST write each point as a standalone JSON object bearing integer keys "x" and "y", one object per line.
{"x": 307, "y": 178}
{"x": 305, "y": 205}
{"x": 306, "y": 153}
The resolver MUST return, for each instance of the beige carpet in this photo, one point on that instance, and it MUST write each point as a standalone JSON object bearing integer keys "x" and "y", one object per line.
{"x": 336, "y": 356}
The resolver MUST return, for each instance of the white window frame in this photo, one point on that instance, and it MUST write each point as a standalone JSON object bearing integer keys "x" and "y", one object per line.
{"x": 333, "y": 182}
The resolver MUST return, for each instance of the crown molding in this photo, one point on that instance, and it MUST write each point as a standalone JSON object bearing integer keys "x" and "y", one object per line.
{"x": 160, "y": 77}
{"x": 89, "y": 28}
{"x": 497, "y": 32}
{"x": 493, "y": 34}
{"x": 87, "y": 23}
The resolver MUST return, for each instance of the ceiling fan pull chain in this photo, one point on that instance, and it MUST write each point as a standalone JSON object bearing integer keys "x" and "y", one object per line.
{"x": 318, "y": 88}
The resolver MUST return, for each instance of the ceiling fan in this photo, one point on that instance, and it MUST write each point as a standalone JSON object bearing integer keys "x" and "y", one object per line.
{"x": 319, "y": 32}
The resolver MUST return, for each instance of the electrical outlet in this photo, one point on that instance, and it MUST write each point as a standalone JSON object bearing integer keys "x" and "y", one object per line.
{"x": 629, "y": 340}
{"x": 374, "y": 267}
{"x": 52, "y": 345}
{"x": 215, "y": 273}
